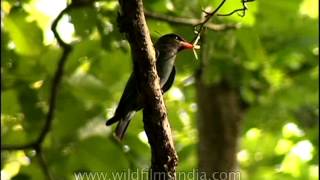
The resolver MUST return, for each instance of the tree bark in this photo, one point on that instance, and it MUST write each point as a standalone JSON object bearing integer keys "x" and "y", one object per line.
{"x": 218, "y": 124}
{"x": 132, "y": 22}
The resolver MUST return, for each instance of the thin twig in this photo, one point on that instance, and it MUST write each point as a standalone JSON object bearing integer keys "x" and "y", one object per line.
{"x": 57, "y": 77}
{"x": 188, "y": 21}
{"x": 55, "y": 82}
{"x": 202, "y": 24}
{"x": 17, "y": 147}
{"x": 54, "y": 27}
{"x": 54, "y": 89}
{"x": 37, "y": 144}
{"x": 243, "y": 9}
{"x": 43, "y": 163}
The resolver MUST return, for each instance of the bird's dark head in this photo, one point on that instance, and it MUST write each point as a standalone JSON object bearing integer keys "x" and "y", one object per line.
{"x": 172, "y": 42}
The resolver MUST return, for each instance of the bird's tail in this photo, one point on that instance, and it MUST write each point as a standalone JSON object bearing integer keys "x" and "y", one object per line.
{"x": 112, "y": 120}
{"x": 122, "y": 124}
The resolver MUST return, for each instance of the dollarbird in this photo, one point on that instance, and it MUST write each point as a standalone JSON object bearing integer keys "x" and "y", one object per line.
{"x": 166, "y": 49}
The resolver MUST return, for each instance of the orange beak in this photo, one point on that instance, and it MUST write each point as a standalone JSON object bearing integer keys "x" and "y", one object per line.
{"x": 185, "y": 45}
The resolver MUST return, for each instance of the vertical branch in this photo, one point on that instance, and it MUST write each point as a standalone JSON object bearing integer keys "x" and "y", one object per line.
{"x": 43, "y": 163}
{"x": 132, "y": 23}
{"x": 37, "y": 144}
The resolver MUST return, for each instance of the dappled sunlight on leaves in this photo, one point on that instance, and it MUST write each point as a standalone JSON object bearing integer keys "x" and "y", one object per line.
{"x": 310, "y": 8}
{"x": 271, "y": 61}
{"x": 14, "y": 161}
{"x": 291, "y": 130}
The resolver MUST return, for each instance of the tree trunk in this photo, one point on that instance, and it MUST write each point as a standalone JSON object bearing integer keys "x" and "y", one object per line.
{"x": 219, "y": 118}
{"x": 218, "y": 125}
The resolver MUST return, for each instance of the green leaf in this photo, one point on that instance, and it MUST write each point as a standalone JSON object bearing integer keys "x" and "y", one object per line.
{"x": 105, "y": 156}
{"x": 84, "y": 20}
{"x": 71, "y": 114}
{"x": 26, "y": 36}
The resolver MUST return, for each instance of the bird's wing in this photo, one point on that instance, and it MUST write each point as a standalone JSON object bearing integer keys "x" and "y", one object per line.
{"x": 128, "y": 104}
{"x": 170, "y": 80}
{"x": 129, "y": 98}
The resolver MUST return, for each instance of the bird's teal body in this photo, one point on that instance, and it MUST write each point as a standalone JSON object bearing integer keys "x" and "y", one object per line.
{"x": 166, "y": 49}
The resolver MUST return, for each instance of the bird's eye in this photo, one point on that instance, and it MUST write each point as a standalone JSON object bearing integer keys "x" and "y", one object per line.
{"x": 176, "y": 38}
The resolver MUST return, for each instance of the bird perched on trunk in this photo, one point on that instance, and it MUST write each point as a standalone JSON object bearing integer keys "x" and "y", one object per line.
{"x": 166, "y": 49}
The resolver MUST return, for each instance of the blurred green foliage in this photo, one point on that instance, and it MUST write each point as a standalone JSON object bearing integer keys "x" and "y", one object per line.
{"x": 272, "y": 58}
